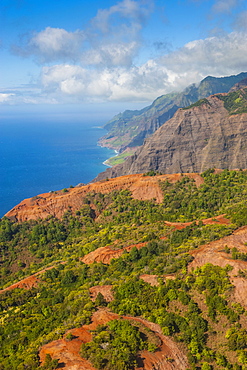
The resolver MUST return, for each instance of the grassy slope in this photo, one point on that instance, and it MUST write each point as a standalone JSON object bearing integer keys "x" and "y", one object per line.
{"x": 119, "y": 158}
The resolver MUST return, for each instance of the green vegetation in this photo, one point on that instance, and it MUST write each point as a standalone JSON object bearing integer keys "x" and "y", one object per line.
{"x": 130, "y": 128}
{"x": 119, "y": 158}
{"x": 152, "y": 173}
{"x": 190, "y": 307}
{"x": 235, "y": 102}
{"x": 198, "y": 104}
{"x": 115, "y": 346}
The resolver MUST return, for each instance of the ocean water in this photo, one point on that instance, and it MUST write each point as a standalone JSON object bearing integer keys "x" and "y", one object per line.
{"x": 39, "y": 155}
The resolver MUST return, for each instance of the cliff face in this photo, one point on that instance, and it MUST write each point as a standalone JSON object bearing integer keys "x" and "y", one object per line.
{"x": 55, "y": 204}
{"x": 203, "y": 136}
{"x": 130, "y": 128}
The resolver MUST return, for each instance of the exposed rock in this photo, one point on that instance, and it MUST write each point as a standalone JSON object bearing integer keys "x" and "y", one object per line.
{"x": 239, "y": 85}
{"x": 214, "y": 253}
{"x": 131, "y": 128}
{"x": 28, "y": 282}
{"x": 56, "y": 203}
{"x": 107, "y": 253}
{"x": 195, "y": 139}
{"x": 169, "y": 356}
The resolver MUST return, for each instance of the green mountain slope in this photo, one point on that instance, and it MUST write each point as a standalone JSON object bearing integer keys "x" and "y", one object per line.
{"x": 196, "y": 308}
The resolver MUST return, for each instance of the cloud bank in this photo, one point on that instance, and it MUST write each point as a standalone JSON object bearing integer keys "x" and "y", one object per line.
{"x": 98, "y": 63}
{"x": 217, "y": 56}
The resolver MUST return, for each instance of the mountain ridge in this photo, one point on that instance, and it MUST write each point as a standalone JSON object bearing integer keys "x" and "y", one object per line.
{"x": 130, "y": 128}
{"x": 210, "y": 133}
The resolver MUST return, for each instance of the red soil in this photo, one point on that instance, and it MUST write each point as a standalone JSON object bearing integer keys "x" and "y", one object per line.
{"x": 29, "y": 282}
{"x": 105, "y": 290}
{"x": 167, "y": 357}
{"x": 214, "y": 253}
{"x": 153, "y": 279}
{"x": 56, "y": 203}
{"x": 106, "y": 254}
{"x": 207, "y": 221}
{"x": 150, "y": 279}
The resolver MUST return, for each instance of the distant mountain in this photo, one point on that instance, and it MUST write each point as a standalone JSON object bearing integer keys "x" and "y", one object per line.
{"x": 210, "y": 133}
{"x": 130, "y": 128}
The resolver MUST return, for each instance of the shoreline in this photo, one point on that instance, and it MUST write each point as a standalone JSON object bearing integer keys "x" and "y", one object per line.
{"x": 106, "y": 161}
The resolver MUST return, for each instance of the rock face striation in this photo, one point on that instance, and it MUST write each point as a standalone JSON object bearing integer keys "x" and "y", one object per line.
{"x": 130, "y": 128}
{"x": 210, "y": 133}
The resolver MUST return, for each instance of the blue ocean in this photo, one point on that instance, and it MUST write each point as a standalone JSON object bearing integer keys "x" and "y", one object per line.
{"x": 39, "y": 155}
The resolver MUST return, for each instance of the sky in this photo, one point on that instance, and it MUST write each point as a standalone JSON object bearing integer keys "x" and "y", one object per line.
{"x": 114, "y": 53}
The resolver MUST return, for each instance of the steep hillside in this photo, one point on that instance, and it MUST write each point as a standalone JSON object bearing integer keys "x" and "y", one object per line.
{"x": 209, "y": 133}
{"x": 130, "y": 128}
{"x": 168, "y": 294}
{"x": 56, "y": 203}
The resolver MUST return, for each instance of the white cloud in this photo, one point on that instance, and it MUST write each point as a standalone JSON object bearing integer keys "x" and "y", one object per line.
{"x": 133, "y": 14}
{"x": 111, "y": 38}
{"x": 241, "y": 21}
{"x": 5, "y": 97}
{"x": 217, "y": 56}
{"x": 97, "y": 63}
{"x": 224, "y": 6}
{"x": 109, "y": 55}
{"x": 52, "y": 44}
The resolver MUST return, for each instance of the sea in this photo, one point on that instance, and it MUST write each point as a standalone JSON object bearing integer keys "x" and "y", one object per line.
{"x": 40, "y": 155}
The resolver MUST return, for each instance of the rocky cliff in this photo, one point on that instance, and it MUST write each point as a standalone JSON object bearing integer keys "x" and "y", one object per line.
{"x": 130, "y": 128}
{"x": 209, "y": 133}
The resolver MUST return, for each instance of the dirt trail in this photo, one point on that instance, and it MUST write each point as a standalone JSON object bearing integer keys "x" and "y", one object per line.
{"x": 221, "y": 219}
{"x": 167, "y": 357}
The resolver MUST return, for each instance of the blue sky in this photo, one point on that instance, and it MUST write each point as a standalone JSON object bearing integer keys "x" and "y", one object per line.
{"x": 76, "y": 52}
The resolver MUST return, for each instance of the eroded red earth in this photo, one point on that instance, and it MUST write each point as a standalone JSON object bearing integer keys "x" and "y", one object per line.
{"x": 105, "y": 290}
{"x": 107, "y": 253}
{"x": 214, "y": 253}
{"x": 168, "y": 356}
{"x": 56, "y": 203}
{"x": 29, "y": 282}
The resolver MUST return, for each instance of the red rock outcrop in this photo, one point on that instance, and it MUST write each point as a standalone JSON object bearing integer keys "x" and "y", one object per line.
{"x": 169, "y": 356}
{"x": 214, "y": 253}
{"x": 106, "y": 254}
{"x": 28, "y": 282}
{"x": 56, "y": 203}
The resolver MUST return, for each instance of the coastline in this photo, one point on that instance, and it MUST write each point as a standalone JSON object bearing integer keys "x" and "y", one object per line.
{"x": 70, "y": 156}
{"x": 106, "y": 161}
